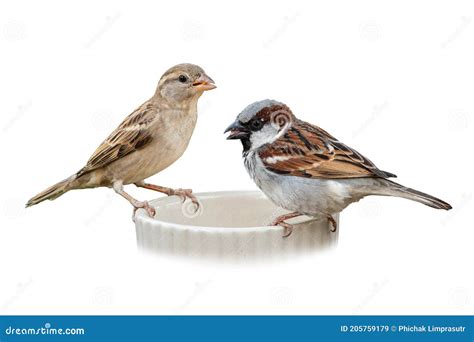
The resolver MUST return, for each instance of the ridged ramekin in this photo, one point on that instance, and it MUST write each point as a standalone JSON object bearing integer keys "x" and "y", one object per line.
{"x": 229, "y": 224}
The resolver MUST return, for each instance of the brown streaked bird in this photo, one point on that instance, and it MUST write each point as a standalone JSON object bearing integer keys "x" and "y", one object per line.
{"x": 304, "y": 169}
{"x": 149, "y": 140}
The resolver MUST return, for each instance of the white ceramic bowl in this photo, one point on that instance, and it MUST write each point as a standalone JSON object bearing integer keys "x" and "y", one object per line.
{"x": 229, "y": 224}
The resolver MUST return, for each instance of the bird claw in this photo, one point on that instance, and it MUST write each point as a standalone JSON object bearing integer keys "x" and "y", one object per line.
{"x": 184, "y": 194}
{"x": 332, "y": 224}
{"x": 143, "y": 205}
{"x": 287, "y": 228}
{"x": 280, "y": 221}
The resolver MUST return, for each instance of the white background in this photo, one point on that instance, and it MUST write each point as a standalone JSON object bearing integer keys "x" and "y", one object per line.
{"x": 391, "y": 79}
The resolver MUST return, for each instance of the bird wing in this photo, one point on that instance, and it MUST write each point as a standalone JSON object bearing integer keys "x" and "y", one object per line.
{"x": 132, "y": 135}
{"x": 309, "y": 151}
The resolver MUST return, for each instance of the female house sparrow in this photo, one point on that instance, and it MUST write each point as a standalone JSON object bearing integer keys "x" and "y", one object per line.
{"x": 304, "y": 169}
{"x": 149, "y": 140}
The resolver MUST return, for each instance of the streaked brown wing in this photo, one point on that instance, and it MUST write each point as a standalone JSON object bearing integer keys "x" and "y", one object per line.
{"x": 309, "y": 151}
{"x": 132, "y": 135}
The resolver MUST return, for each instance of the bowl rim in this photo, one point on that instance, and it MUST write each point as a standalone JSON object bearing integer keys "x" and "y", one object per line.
{"x": 141, "y": 216}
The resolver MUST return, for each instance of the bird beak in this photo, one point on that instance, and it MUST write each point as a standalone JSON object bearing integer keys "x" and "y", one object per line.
{"x": 237, "y": 131}
{"x": 204, "y": 83}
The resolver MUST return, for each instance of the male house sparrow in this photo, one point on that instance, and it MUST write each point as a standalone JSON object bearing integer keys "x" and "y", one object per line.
{"x": 149, "y": 140}
{"x": 305, "y": 170}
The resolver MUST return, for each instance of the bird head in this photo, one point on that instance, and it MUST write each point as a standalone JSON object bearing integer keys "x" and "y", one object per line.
{"x": 184, "y": 82}
{"x": 261, "y": 123}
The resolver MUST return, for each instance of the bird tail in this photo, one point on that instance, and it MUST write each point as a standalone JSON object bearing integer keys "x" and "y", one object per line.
{"x": 395, "y": 189}
{"x": 52, "y": 192}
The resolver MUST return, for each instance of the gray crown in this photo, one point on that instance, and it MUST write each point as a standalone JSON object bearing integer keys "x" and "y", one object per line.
{"x": 249, "y": 112}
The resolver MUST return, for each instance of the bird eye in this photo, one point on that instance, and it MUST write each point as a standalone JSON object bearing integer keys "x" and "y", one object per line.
{"x": 182, "y": 78}
{"x": 256, "y": 124}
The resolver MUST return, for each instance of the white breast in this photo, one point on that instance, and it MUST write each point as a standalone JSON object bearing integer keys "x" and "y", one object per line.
{"x": 309, "y": 196}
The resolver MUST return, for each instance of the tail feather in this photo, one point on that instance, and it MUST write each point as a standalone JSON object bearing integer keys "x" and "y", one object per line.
{"x": 418, "y": 196}
{"x": 52, "y": 192}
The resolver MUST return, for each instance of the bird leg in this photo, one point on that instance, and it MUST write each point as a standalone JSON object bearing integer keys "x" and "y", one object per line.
{"x": 280, "y": 221}
{"x": 332, "y": 223}
{"x": 118, "y": 188}
{"x": 181, "y": 193}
